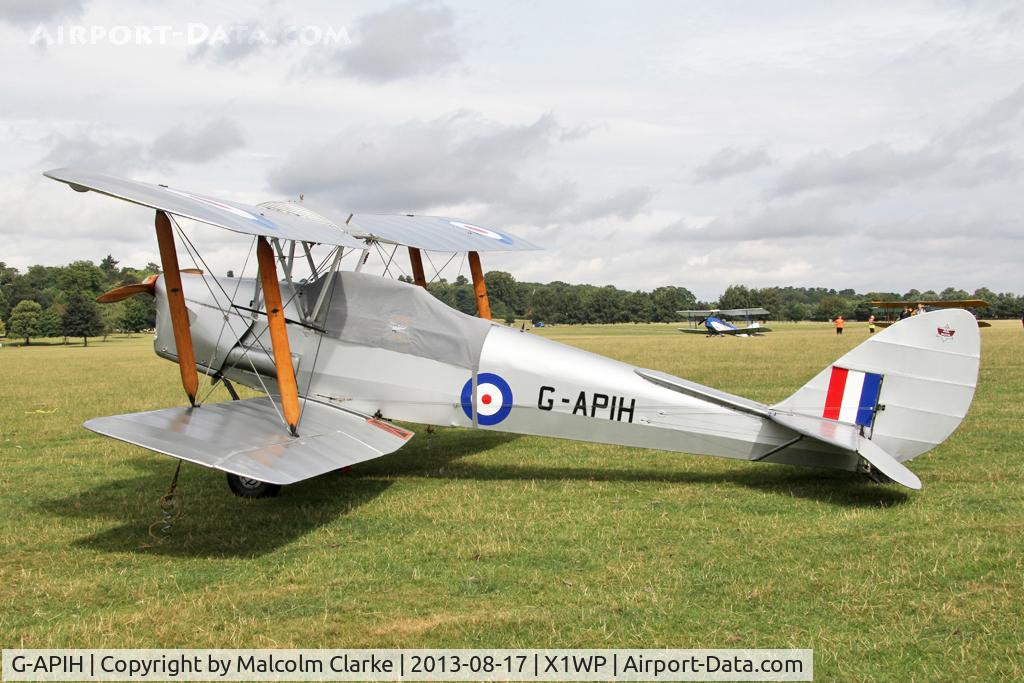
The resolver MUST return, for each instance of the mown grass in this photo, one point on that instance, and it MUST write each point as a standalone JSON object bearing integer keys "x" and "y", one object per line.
{"x": 469, "y": 539}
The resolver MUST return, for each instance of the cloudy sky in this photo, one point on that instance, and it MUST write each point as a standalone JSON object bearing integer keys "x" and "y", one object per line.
{"x": 876, "y": 146}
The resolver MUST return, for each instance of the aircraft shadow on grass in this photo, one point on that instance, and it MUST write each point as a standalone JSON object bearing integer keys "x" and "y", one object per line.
{"x": 837, "y": 488}
{"x": 217, "y": 524}
{"x": 448, "y": 447}
{"x": 220, "y": 525}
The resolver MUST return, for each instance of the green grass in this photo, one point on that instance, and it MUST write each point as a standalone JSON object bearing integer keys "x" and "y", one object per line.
{"x": 468, "y": 539}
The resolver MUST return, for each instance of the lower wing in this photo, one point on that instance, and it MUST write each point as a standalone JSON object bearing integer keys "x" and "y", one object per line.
{"x": 247, "y": 438}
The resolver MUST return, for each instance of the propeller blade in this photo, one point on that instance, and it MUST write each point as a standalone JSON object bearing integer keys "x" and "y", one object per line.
{"x": 147, "y": 286}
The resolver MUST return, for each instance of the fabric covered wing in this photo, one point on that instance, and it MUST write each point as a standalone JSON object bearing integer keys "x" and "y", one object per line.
{"x": 742, "y": 312}
{"x": 434, "y": 233}
{"x": 248, "y": 438}
{"x": 250, "y": 220}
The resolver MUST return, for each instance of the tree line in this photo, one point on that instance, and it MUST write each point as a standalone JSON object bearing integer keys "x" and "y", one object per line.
{"x": 59, "y": 301}
{"x": 563, "y": 303}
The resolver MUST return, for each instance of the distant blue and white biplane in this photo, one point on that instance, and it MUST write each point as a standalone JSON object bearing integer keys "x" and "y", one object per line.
{"x": 712, "y": 323}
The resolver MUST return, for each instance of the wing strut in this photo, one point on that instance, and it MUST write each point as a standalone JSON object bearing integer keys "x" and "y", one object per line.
{"x": 483, "y": 306}
{"x": 416, "y": 259}
{"x": 286, "y": 385}
{"x": 176, "y": 305}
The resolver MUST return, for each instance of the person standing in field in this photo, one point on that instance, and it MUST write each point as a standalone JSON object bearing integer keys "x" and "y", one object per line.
{"x": 839, "y": 323}
{"x": 871, "y": 324}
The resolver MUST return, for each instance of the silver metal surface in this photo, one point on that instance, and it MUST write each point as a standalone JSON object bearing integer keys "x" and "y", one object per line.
{"x": 247, "y": 438}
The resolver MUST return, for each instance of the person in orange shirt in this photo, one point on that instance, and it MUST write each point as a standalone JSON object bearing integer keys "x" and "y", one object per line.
{"x": 839, "y": 324}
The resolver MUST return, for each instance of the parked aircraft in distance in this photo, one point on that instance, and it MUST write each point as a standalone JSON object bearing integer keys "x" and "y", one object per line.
{"x": 712, "y": 322}
{"x": 892, "y": 308}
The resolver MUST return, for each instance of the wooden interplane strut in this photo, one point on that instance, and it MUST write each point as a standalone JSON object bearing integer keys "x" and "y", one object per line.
{"x": 416, "y": 259}
{"x": 176, "y": 306}
{"x": 286, "y": 384}
{"x": 483, "y": 306}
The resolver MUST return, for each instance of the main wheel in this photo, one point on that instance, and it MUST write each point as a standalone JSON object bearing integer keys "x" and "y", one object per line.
{"x": 244, "y": 487}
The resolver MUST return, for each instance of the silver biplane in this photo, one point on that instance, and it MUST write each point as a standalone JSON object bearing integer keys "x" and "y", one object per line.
{"x": 340, "y": 354}
{"x": 713, "y": 322}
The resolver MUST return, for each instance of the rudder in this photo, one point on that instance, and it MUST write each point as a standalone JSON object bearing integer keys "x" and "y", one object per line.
{"x": 907, "y": 387}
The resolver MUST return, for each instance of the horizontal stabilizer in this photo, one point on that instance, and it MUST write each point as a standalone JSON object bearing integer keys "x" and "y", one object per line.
{"x": 888, "y": 465}
{"x": 248, "y": 438}
{"x": 849, "y": 438}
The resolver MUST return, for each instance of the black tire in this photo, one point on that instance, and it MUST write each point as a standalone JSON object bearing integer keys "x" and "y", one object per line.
{"x": 244, "y": 487}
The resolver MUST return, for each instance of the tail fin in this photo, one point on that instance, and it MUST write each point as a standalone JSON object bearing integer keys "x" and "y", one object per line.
{"x": 906, "y": 388}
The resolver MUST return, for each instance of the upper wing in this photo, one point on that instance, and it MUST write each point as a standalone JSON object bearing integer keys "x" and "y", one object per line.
{"x": 272, "y": 220}
{"x": 695, "y": 314}
{"x": 953, "y": 303}
{"x": 434, "y": 233}
{"x": 958, "y": 303}
{"x": 743, "y": 312}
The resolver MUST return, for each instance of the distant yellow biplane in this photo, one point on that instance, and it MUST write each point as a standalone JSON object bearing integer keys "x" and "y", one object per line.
{"x": 892, "y": 308}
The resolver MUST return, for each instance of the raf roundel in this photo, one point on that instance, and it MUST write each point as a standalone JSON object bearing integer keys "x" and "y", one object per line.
{"x": 493, "y": 399}
{"x": 483, "y": 232}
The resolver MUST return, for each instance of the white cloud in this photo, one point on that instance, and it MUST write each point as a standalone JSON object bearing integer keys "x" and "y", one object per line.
{"x": 730, "y": 161}
{"x": 106, "y": 150}
{"x": 198, "y": 143}
{"x": 406, "y": 40}
{"x": 879, "y": 146}
{"x": 419, "y": 165}
{"x": 28, "y": 12}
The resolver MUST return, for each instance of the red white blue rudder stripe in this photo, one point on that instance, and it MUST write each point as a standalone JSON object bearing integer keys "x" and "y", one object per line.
{"x": 852, "y": 396}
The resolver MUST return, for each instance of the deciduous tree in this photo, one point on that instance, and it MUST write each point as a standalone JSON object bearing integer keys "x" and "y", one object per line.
{"x": 25, "y": 320}
{"x": 82, "y": 318}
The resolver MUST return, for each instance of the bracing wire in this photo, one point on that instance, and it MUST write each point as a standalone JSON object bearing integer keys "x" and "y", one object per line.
{"x": 227, "y": 317}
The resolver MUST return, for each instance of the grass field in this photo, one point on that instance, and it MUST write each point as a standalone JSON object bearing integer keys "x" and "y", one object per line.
{"x": 468, "y": 539}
